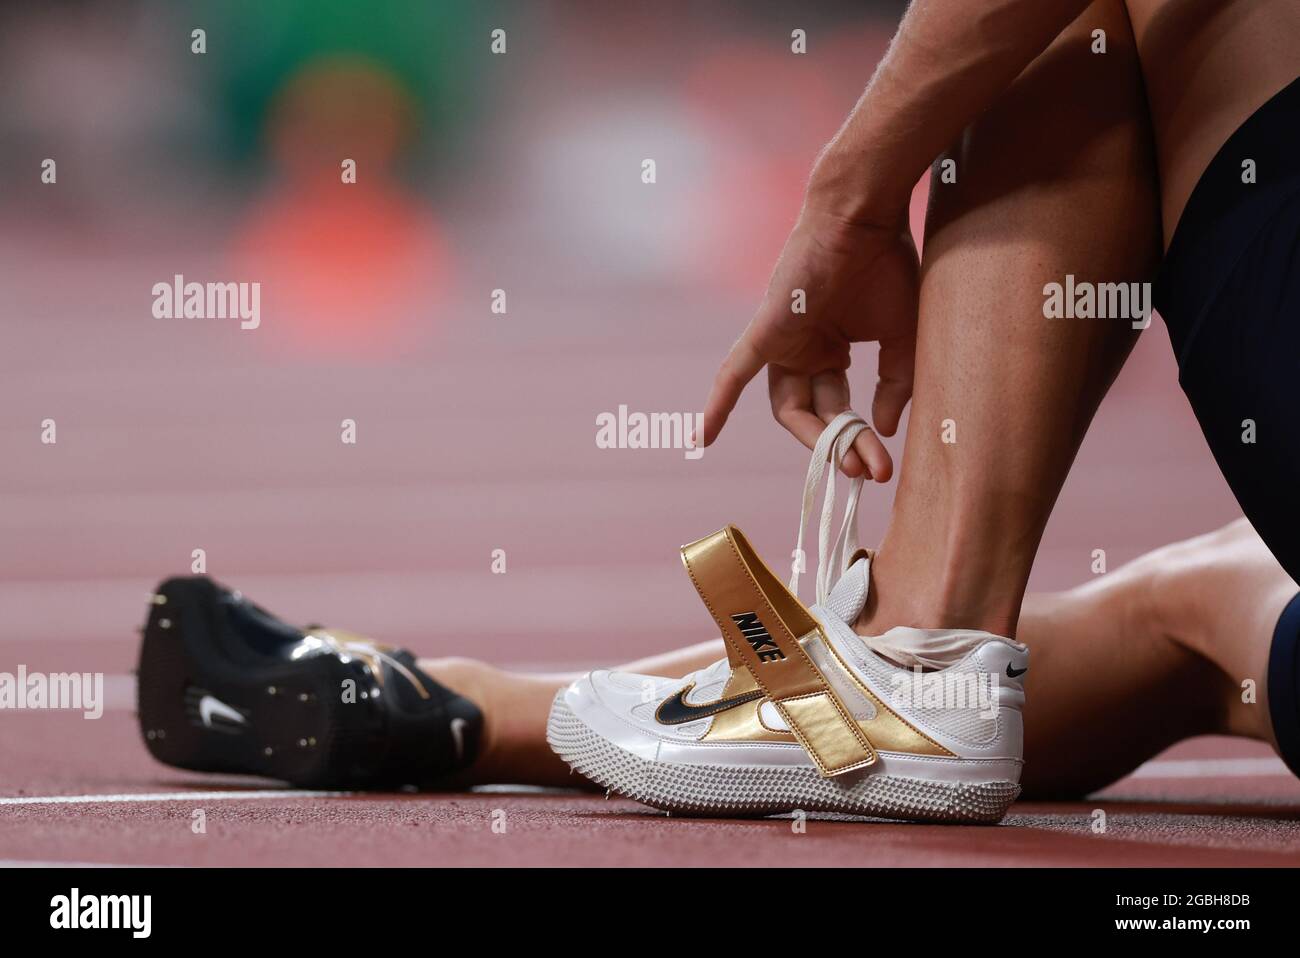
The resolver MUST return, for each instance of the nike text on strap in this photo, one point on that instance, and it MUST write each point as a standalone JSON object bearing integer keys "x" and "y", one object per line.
{"x": 764, "y": 624}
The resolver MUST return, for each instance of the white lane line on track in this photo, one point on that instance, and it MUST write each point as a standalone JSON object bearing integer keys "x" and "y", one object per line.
{"x": 18, "y": 863}
{"x": 1213, "y": 768}
{"x": 170, "y": 797}
{"x": 1166, "y": 768}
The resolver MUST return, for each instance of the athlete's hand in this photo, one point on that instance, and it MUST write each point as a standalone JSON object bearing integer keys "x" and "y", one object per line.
{"x": 860, "y": 285}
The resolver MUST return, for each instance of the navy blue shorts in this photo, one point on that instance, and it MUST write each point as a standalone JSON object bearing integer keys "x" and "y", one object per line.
{"x": 1284, "y": 684}
{"x": 1229, "y": 293}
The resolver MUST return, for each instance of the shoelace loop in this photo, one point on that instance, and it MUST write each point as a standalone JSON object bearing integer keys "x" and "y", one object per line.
{"x": 832, "y": 559}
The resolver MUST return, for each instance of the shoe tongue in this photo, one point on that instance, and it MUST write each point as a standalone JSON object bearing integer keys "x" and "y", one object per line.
{"x": 849, "y": 595}
{"x": 710, "y": 680}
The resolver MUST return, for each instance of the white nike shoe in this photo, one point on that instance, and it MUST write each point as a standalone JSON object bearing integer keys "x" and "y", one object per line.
{"x": 804, "y": 713}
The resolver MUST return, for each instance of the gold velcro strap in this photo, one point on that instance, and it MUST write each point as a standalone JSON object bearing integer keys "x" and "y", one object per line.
{"x": 763, "y": 625}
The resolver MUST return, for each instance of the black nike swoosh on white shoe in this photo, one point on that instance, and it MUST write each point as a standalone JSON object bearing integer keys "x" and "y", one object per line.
{"x": 675, "y": 710}
{"x": 1015, "y": 673}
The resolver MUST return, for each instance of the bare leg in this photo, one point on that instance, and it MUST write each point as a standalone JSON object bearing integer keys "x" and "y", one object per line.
{"x": 515, "y": 708}
{"x": 1121, "y": 668}
{"x": 1143, "y": 657}
{"x": 1056, "y": 178}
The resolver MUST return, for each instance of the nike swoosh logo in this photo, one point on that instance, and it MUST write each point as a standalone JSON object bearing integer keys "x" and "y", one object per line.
{"x": 209, "y": 706}
{"x": 675, "y": 710}
{"x": 1015, "y": 673}
{"x": 458, "y": 736}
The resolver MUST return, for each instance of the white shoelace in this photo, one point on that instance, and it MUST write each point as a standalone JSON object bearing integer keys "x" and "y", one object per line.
{"x": 909, "y": 647}
{"x": 832, "y": 559}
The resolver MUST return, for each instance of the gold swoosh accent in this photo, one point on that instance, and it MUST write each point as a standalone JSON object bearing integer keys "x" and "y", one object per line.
{"x": 888, "y": 730}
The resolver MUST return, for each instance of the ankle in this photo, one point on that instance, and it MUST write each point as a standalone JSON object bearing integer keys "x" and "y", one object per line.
{"x": 881, "y": 619}
{"x": 920, "y": 599}
{"x": 478, "y": 682}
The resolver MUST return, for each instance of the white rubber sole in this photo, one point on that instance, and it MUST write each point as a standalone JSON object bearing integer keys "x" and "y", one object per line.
{"x": 755, "y": 790}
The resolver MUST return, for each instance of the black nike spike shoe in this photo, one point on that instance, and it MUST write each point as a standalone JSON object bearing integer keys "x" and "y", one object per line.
{"x": 224, "y": 686}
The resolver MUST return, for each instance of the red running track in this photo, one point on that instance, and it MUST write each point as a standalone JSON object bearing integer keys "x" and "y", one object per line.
{"x": 1208, "y": 802}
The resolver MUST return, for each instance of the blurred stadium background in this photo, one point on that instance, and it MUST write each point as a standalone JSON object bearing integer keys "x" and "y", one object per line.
{"x": 475, "y": 431}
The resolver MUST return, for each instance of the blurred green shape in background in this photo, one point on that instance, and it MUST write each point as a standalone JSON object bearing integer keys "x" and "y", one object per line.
{"x": 429, "y": 51}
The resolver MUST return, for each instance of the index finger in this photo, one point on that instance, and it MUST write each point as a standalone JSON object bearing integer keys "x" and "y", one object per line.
{"x": 741, "y": 365}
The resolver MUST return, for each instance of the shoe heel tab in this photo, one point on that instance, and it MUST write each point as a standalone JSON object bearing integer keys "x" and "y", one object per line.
{"x": 1006, "y": 659}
